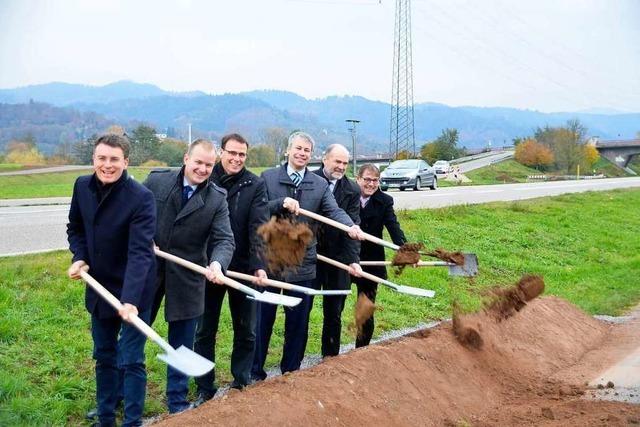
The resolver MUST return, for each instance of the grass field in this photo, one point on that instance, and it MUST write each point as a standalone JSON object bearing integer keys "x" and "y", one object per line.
{"x": 8, "y": 167}
{"x": 59, "y": 184}
{"x": 587, "y": 247}
{"x": 505, "y": 172}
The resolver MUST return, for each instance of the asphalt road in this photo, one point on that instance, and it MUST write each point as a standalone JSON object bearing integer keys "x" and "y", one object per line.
{"x": 39, "y": 228}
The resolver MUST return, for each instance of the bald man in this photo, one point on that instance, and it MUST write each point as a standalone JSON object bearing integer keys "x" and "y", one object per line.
{"x": 335, "y": 244}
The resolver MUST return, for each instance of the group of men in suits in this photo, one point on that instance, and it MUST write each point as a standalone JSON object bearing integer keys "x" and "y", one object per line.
{"x": 208, "y": 213}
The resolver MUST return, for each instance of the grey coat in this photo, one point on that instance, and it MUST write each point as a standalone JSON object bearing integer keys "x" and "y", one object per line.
{"x": 200, "y": 232}
{"x": 314, "y": 195}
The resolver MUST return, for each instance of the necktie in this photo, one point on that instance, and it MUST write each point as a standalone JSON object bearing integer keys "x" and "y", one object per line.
{"x": 186, "y": 194}
{"x": 296, "y": 178}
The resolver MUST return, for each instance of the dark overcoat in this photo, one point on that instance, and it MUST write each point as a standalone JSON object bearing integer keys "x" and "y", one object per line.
{"x": 247, "y": 200}
{"x": 199, "y": 232}
{"x": 314, "y": 195}
{"x": 378, "y": 213}
{"x": 337, "y": 244}
{"x": 115, "y": 238}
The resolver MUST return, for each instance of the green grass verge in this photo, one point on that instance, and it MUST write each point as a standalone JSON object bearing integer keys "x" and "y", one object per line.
{"x": 505, "y": 172}
{"x": 58, "y": 184}
{"x": 587, "y": 247}
{"x": 8, "y": 167}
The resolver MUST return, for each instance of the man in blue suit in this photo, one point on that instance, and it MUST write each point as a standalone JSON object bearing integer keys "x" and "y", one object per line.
{"x": 112, "y": 221}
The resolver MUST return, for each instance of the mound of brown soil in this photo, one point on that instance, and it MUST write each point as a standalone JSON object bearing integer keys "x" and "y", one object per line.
{"x": 285, "y": 243}
{"x": 429, "y": 379}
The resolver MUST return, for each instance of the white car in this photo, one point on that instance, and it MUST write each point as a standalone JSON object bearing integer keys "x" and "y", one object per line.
{"x": 442, "y": 167}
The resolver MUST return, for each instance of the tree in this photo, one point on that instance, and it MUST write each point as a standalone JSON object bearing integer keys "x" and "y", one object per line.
{"x": 144, "y": 145}
{"x": 24, "y": 152}
{"x": 171, "y": 151}
{"x": 82, "y": 151}
{"x": 404, "y": 154}
{"x": 566, "y": 143}
{"x": 444, "y": 147}
{"x": 275, "y": 137}
{"x": 531, "y": 153}
{"x": 591, "y": 155}
{"x": 260, "y": 155}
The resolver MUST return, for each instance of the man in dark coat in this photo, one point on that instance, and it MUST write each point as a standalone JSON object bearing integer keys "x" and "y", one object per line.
{"x": 247, "y": 200}
{"x": 193, "y": 223}
{"x": 289, "y": 188}
{"x": 376, "y": 212}
{"x": 335, "y": 244}
{"x": 112, "y": 219}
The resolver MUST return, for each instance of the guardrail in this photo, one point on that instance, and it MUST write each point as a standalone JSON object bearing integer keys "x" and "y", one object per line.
{"x": 563, "y": 177}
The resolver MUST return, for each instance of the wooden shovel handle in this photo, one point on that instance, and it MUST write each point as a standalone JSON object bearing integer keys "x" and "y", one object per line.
{"x": 363, "y": 274}
{"x": 200, "y": 269}
{"x": 133, "y": 319}
{"x": 346, "y": 228}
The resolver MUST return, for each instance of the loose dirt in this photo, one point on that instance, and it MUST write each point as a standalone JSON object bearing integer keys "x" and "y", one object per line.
{"x": 285, "y": 243}
{"x": 518, "y": 376}
{"x": 363, "y": 311}
{"x": 508, "y": 301}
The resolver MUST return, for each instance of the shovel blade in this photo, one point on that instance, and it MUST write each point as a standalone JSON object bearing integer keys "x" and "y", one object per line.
{"x": 469, "y": 269}
{"x": 187, "y": 361}
{"x": 276, "y": 299}
{"x": 330, "y": 292}
{"x": 418, "y": 292}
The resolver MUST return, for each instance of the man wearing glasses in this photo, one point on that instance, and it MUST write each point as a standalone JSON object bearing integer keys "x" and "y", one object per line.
{"x": 376, "y": 212}
{"x": 247, "y": 200}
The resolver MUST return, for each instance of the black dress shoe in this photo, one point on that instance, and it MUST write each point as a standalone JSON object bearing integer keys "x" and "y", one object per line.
{"x": 92, "y": 414}
{"x": 202, "y": 397}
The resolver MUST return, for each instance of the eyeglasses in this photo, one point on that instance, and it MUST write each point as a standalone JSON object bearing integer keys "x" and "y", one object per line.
{"x": 236, "y": 154}
{"x": 371, "y": 180}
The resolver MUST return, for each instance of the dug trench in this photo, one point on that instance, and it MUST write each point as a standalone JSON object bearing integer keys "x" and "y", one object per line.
{"x": 531, "y": 369}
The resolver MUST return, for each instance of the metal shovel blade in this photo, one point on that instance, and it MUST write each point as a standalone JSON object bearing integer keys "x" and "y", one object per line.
{"x": 418, "y": 292}
{"x": 277, "y": 299}
{"x": 469, "y": 269}
{"x": 330, "y": 292}
{"x": 187, "y": 361}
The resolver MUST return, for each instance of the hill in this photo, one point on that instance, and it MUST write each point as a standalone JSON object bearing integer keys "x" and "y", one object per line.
{"x": 252, "y": 112}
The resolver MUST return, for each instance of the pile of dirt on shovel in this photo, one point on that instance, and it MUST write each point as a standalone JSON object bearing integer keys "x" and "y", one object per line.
{"x": 429, "y": 379}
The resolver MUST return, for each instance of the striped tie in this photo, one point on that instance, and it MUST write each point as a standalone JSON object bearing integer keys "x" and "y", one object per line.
{"x": 296, "y": 178}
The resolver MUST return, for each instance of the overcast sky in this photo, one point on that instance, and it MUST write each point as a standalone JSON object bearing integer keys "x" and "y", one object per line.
{"x": 547, "y": 55}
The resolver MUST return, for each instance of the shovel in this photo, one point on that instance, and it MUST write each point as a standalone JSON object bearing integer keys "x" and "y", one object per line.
{"x": 468, "y": 269}
{"x": 183, "y": 359}
{"x": 268, "y": 297}
{"x": 418, "y": 292}
{"x": 288, "y": 286}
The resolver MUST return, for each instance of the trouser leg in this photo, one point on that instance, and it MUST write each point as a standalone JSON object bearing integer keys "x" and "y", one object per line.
{"x": 105, "y": 343}
{"x": 332, "y": 307}
{"x": 243, "y": 316}
{"x": 265, "y": 318}
{"x": 205, "y": 343}
{"x": 296, "y": 330}
{"x": 181, "y": 333}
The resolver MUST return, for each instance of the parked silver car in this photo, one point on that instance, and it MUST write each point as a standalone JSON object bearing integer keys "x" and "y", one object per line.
{"x": 442, "y": 167}
{"x": 410, "y": 173}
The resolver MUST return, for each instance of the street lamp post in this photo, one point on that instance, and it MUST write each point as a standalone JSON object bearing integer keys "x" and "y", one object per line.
{"x": 352, "y": 129}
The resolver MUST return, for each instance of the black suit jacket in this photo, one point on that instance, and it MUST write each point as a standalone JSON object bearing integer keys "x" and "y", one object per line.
{"x": 378, "y": 213}
{"x": 115, "y": 238}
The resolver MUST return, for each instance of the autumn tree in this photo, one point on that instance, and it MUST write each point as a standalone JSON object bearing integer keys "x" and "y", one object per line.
{"x": 24, "y": 151}
{"x": 566, "y": 143}
{"x": 531, "y": 153}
